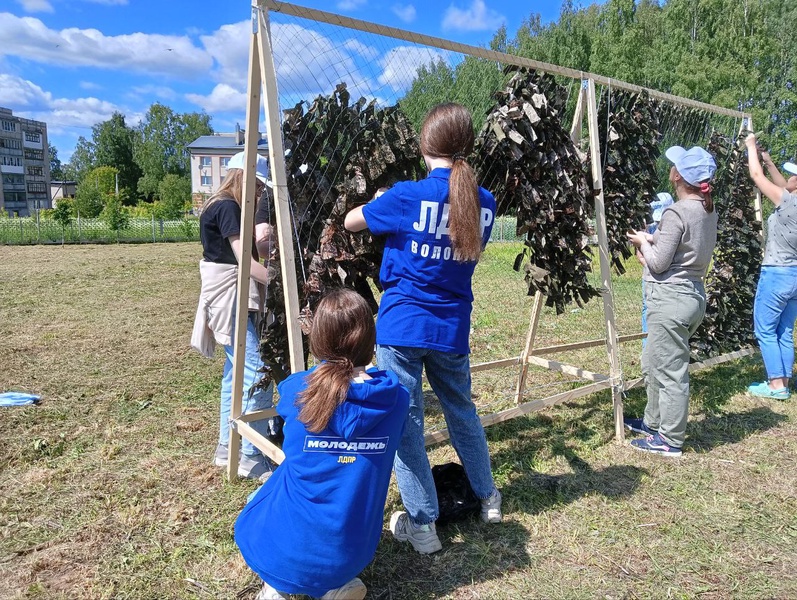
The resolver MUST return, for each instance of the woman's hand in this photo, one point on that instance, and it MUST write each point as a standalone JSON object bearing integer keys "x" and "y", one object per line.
{"x": 639, "y": 238}
{"x": 751, "y": 142}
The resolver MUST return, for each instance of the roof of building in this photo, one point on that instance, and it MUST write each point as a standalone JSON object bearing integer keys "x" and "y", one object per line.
{"x": 222, "y": 141}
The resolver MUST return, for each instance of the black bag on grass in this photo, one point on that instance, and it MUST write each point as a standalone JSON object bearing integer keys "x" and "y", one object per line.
{"x": 455, "y": 497}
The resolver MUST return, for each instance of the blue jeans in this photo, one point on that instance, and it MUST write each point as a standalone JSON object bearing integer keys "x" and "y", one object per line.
{"x": 252, "y": 399}
{"x": 449, "y": 376}
{"x": 774, "y": 313}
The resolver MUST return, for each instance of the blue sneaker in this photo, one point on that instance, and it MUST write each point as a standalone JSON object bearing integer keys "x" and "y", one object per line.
{"x": 655, "y": 444}
{"x": 638, "y": 426}
{"x": 762, "y": 390}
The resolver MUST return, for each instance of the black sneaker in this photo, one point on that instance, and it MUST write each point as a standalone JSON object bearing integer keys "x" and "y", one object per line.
{"x": 638, "y": 426}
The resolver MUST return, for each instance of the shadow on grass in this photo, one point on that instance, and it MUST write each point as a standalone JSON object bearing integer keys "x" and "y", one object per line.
{"x": 730, "y": 428}
{"x": 473, "y": 552}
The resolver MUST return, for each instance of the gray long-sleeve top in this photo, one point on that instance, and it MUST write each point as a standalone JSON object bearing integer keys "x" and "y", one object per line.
{"x": 682, "y": 245}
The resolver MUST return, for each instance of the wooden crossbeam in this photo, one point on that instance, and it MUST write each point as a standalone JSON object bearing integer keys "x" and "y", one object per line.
{"x": 553, "y": 365}
{"x": 441, "y": 435}
{"x": 262, "y": 443}
{"x": 493, "y": 55}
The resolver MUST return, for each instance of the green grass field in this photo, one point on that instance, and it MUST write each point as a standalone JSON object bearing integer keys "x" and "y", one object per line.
{"x": 106, "y": 487}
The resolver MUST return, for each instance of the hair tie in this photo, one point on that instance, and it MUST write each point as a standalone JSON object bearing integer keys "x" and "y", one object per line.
{"x": 457, "y": 156}
{"x": 342, "y": 361}
{"x": 705, "y": 187}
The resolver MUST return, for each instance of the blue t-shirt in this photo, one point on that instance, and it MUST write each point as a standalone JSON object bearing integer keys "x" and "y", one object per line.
{"x": 427, "y": 296}
{"x": 315, "y": 524}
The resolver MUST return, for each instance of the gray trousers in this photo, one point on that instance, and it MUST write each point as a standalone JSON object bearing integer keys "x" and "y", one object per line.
{"x": 675, "y": 311}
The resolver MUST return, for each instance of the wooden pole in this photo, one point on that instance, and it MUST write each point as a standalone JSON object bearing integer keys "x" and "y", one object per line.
{"x": 536, "y": 309}
{"x": 282, "y": 207}
{"x": 578, "y": 117}
{"x": 612, "y": 346}
{"x": 244, "y": 268}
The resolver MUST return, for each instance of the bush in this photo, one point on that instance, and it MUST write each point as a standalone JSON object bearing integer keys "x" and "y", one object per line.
{"x": 175, "y": 195}
{"x": 115, "y": 215}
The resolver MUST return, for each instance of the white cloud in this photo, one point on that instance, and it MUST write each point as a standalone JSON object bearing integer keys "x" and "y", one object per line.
{"x": 350, "y": 4}
{"x": 30, "y": 39}
{"x": 400, "y": 65}
{"x": 89, "y": 85}
{"x": 229, "y": 47}
{"x": 223, "y": 98}
{"x": 367, "y": 52}
{"x": 404, "y": 12}
{"x": 31, "y": 101}
{"x": 33, "y": 6}
{"x": 475, "y": 18}
{"x": 158, "y": 91}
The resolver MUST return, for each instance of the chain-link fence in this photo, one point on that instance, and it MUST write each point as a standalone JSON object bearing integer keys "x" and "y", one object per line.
{"x": 30, "y": 230}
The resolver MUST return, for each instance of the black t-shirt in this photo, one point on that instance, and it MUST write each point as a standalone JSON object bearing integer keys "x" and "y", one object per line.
{"x": 218, "y": 222}
{"x": 265, "y": 208}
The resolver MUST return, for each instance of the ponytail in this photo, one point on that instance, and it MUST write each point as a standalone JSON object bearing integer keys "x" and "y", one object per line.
{"x": 447, "y": 132}
{"x": 705, "y": 191}
{"x": 342, "y": 336}
{"x": 464, "y": 215}
{"x": 327, "y": 388}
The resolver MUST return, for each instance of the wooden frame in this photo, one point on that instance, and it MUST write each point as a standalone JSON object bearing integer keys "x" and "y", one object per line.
{"x": 262, "y": 75}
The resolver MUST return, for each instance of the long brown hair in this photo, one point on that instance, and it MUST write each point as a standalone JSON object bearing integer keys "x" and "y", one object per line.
{"x": 447, "y": 132}
{"x": 342, "y": 336}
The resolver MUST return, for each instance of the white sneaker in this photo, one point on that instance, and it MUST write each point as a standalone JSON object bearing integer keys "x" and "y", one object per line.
{"x": 269, "y": 593}
{"x": 353, "y": 590}
{"x": 222, "y": 456}
{"x": 422, "y": 537}
{"x": 491, "y": 508}
{"x": 255, "y": 468}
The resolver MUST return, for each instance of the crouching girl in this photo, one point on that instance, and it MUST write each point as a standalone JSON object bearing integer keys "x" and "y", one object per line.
{"x": 315, "y": 524}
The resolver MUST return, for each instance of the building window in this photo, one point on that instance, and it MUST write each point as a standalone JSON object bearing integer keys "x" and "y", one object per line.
{"x": 32, "y": 154}
{"x": 11, "y": 179}
{"x": 207, "y": 180}
{"x": 204, "y": 161}
{"x": 36, "y": 171}
{"x": 9, "y": 126}
{"x": 14, "y": 198}
{"x": 9, "y": 143}
{"x": 11, "y": 161}
{"x": 31, "y": 136}
{"x": 224, "y": 161}
{"x": 37, "y": 187}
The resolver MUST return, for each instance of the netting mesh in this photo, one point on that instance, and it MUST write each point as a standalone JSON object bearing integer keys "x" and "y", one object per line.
{"x": 352, "y": 104}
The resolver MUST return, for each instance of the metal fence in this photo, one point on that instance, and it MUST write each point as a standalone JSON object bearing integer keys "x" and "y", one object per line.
{"x": 30, "y": 230}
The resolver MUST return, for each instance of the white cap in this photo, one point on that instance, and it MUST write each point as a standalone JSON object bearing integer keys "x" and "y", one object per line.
{"x": 790, "y": 167}
{"x": 237, "y": 162}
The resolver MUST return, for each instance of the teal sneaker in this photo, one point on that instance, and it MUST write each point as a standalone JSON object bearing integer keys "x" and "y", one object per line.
{"x": 762, "y": 390}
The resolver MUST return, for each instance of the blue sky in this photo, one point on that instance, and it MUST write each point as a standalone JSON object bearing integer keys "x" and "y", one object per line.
{"x": 72, "y": 63}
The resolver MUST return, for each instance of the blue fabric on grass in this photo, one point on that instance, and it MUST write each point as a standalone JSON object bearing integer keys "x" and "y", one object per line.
{"x": 18, "y": 399}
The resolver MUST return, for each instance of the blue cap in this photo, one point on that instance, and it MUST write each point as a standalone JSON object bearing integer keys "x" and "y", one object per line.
{"x": 790, "y": 168}
{"x": 662, "y": 201}
{"x": 695, "y": 165}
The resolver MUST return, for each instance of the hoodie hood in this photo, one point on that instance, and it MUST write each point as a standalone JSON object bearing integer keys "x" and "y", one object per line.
{"x": 366, "y": 405}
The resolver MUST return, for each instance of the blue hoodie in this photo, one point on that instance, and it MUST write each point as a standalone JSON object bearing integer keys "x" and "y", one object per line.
{"x": 315, "y": 524}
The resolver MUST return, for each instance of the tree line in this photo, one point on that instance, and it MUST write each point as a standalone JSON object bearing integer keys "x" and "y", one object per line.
{"x": 146, "y": 166}
{"x": 736, "y": 54}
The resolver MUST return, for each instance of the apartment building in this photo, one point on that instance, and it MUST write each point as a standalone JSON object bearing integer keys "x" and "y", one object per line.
{"x": 209, "y": 157}
{"x": 24, "y": 165}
